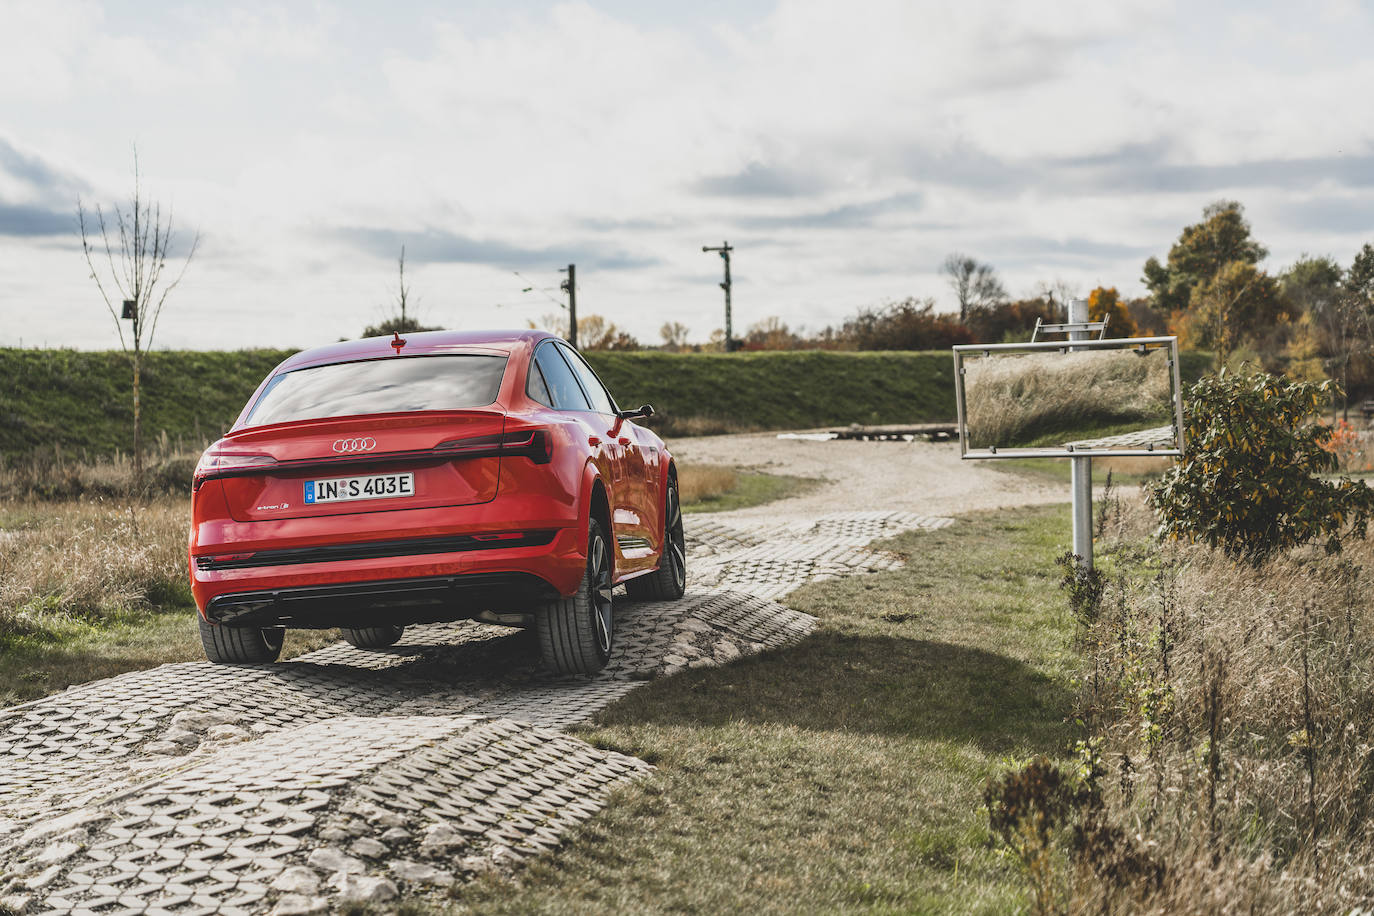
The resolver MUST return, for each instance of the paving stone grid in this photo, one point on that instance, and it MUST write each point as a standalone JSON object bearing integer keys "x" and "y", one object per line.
{"x": 348, "y": 775}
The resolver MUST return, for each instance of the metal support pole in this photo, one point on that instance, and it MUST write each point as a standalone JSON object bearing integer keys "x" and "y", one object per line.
{"x": 725, "y": 250}
{"x": 1081, "y": 469}
{"x": 570, "y": 286}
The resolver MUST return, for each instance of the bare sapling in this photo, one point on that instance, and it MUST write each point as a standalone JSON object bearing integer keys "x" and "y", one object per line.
{"x": 127, "y": 252}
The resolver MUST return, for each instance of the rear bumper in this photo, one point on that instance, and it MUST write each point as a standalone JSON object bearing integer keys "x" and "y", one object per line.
{"x": 400, "y": 581}
{"x": 375, "y": 603}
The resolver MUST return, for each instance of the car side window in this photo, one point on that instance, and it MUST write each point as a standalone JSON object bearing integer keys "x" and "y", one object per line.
{"x": 600, "y": 398}
{"x": 560, "y": 380}
{"x": 535, "y": 386}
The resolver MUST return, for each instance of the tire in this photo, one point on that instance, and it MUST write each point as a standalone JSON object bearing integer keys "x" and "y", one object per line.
{"x": 669, "y": 581}
{"x": 373, "y": 637}
{"x": 576, "y": 634}
{"x": 225, "y": 645}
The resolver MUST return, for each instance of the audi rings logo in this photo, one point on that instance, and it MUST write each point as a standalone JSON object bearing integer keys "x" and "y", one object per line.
{"x": 343, "y": 446}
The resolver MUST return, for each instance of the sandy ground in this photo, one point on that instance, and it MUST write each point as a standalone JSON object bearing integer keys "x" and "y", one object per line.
{"x": 922, "y": 477}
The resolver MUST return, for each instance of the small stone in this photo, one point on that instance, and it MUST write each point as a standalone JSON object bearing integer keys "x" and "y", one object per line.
{"x": 198, "y": 720}
{"x": 296, "y": 880}
{"x": 164, "y": 748}
{"x": 684, "y": 649}
{"x": 182, "y": 736}
{"x": 476, "y": 864}
{"x": 670, "y": 670}
{"x": 675, "y": 661}
{"x": 335, "y": 835}
{"x": 365, "y": 889}
{"x": 384, "y": 818}
{"x": 421, "y": 874}
{"x": 227, "y": 732}
{"x": 56, "y": 852}
{"x": 700, "y": 663}
{"x": 439, "y": 837}
{"x": 692, "y": 625}
{"x": 396, "y": 835}
{"x": 331, "y": 860}
{"x": 368, "y": 848}
{"x": 725, "y": 652}
{"x": 504, "y": 856}
{"x": 299, "y": 905}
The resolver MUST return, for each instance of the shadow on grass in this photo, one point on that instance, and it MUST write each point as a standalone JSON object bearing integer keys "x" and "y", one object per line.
{"x": 885, "y": 685}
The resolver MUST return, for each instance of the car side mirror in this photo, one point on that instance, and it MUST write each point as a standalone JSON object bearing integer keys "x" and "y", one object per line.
{"x": 643, "y": 411}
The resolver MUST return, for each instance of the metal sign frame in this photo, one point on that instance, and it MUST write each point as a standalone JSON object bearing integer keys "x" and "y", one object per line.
{"x": 1120, "y": 343}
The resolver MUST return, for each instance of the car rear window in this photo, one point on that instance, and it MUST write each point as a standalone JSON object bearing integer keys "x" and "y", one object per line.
{"x": 396, "y": 385}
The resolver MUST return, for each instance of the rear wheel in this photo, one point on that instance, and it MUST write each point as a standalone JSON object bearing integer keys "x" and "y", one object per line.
{"x": 669, "y": 581}
{"x": 225, "y": 645}
{"x": 575, "y": 634}
{"x": 373, "y": 637}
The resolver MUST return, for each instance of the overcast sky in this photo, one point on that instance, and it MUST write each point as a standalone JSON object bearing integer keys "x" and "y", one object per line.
{"x": 844, "y": 148}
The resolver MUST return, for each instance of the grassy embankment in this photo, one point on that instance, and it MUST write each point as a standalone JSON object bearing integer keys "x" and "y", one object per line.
{"x": 80, "y": 401}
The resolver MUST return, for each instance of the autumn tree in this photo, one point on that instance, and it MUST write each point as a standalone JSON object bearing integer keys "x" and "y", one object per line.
{"x": 975, "y": 284}
{"x": 772, "y": 333}
{"x": 136, "y": 241}
{"x": 1203, "y": 249}
{"x": 596, "y": 333}
{"x": 1240, "y": 301}
{"x": 1104, "y": 304}
{"x": 674, "y": 335}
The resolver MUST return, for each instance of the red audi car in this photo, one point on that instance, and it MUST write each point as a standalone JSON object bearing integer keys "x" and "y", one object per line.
{"x": 379, "y": 483}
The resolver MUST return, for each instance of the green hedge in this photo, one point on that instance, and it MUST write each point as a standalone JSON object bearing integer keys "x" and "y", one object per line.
{"x": 81, "y": 400}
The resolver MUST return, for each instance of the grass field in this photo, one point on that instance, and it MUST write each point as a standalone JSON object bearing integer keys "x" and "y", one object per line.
{"x": 80, "y": 401}
{"x": 844, "y": 773}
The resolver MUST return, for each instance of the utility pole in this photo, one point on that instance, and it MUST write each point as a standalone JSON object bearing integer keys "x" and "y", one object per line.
{"x": 569, "y": 286}
{"x": 725, "y": 249}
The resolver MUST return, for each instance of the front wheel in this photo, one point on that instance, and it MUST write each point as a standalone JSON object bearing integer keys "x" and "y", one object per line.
{"x": 575, "y": 634}
{"x": 225, "y": 645}
{"x": 669, "y": 581}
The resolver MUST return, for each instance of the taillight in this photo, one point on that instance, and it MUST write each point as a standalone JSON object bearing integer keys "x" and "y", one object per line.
{"x": 217, "y": 462}
{"x": 534, "y": 444}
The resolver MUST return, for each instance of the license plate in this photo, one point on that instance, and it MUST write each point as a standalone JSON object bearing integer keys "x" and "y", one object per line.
{"x": 371, "y": 486}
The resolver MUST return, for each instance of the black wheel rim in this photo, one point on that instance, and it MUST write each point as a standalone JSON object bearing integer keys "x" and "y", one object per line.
{"x": 599, "y": 574}
{"x": 677, "y": 542}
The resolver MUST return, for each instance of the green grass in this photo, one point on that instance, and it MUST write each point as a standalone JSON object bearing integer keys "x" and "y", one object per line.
{"x": 785, "y": 389}
{"x": 844, "y": 773}
{"x": 752, "y": 488}
{"x": 82, "y": 400}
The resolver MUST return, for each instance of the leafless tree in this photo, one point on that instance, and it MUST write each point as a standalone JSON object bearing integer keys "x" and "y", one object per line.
{"x": 132, "y": 245}
{"x": 403, "y": 292}
{"x": 975, "y": 284}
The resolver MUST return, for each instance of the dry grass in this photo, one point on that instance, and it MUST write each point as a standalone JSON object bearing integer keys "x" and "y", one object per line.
{"x": 1017, "y": 400}
{"x": 1235, "y": 710}
{"x": 672, "y": 426}
{"x": 53, "y": 475}
{"x": 700, "y": 482}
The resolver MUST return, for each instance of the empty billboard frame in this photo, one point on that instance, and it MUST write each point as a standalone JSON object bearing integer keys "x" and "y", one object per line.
{"x": 1070, "y": 399}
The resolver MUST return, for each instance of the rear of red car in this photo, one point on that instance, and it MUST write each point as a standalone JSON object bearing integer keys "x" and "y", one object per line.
{"x": 370, "y": 485}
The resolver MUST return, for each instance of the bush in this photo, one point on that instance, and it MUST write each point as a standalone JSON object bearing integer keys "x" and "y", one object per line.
{"x": 1249, "y": 481}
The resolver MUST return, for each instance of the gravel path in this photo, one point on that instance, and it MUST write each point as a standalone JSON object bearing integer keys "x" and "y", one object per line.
{"x": 346, "y": 775}
{"x": 921, "y": 477}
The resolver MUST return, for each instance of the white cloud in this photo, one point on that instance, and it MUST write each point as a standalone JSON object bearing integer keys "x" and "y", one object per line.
{"x": 845, "y": 147}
